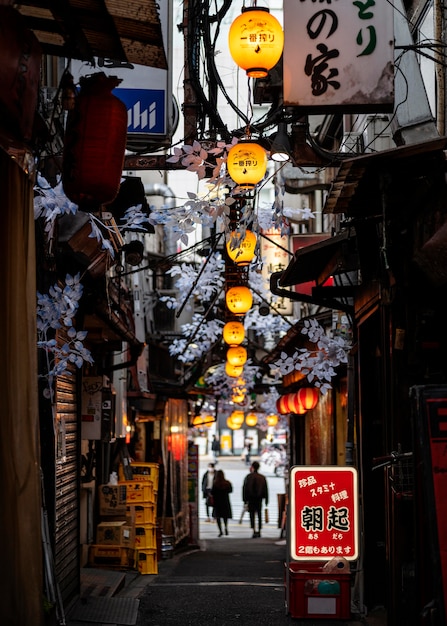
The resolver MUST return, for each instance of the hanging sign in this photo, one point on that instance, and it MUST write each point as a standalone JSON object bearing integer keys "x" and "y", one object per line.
{"x": 339, "y": 55}
{"x": 323, "y": 513}
{"x": 275, "y": 258}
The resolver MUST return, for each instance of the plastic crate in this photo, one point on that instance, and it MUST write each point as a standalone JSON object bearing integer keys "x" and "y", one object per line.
{"x": 138, "y": 514}
{"x": 306, "y": 601}
{"x": 147, "y": 561}
{"x": 142, "y": 471}
{"x": 138, "y": 491}
{"x": 145, "y": 537}
{"x": 115, "y": 557}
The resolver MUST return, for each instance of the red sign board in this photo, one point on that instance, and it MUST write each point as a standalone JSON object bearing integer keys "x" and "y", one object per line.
{"x": 323, "y": 513}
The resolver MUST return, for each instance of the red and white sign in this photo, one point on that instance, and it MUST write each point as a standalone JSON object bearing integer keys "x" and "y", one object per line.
{"x": 339, "y": 55}
{"x": 323, "y": 513}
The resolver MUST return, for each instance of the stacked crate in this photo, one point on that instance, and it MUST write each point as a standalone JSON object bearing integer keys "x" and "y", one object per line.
{"x": 141, "y": 514}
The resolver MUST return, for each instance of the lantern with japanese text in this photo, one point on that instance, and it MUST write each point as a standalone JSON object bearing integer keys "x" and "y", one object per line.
{"x": 234, "y": 371}
{"x": 241, "y": 250}
{"x": 95, "y": 143}
{"x": 237, "y": 355}
{"x": 239, "y": 299}
{"x": 308, "y": 397}
{"x": 233, "y": 333}
{"x": 247, "y": 164}
{"x": 256, "y": 41}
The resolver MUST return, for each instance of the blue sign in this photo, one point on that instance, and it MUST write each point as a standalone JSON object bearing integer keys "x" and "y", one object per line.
{"x": 145, "y": 110}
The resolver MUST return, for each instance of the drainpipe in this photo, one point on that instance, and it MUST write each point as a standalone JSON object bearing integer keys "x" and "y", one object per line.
{"x": 163, "y": 190}
{"x": 439, "y": 65}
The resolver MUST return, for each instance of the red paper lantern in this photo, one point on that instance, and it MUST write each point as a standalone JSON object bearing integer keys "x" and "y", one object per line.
{"x": 290, "y": 403}
{"x": 95, "y": 143}
{"x": 308, "y": 396}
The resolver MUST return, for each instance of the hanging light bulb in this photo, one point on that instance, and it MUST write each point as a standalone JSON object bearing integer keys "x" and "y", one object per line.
{"x": 241, "y": 251}
{"x": 233, "y": 333}
{"x": 256, "y": 41}
{"x": 237, "y": 355}
{"x": 247, "y": 164}
{"x": 239, "y": 299}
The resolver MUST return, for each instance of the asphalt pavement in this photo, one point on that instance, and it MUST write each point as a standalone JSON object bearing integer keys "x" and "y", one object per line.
{"x": 220, "y": 581}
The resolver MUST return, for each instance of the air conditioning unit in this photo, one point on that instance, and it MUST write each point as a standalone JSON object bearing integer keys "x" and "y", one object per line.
{"x": 377, "y": 134}
{"x": 352, "y": 143}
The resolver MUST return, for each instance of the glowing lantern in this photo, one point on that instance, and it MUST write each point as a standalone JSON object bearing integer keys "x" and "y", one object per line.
{"x": 233, "y": 333}
{"x": 203, "y": 420}
{"x": 247, "y": 164}
{"x": 238, "y": 396}
{"x": 242, "y": 251}
{"x": 290, "y": 403}
{"x": 272, "y": 420}
{"x": 232, "y": 425}
{"x": 251, "y": 419}
{"x": 256, "y": 41}
{"x": 237, "y": 355}
{"x": 95, "y": 143}
{"x": 234, "y": 371}
{"x": 308, "y": 397}
{"x": 239, "y": 299}
{"x": 237, "y": 417}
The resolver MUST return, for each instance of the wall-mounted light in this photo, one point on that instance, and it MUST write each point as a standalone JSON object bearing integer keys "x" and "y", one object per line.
{"x": 241, "y": 250}
{"x": 247, "y": 164}
{"x": 280, "y": 149}
{"x": 256, "y": 41}
{"x": 133, "y": 252}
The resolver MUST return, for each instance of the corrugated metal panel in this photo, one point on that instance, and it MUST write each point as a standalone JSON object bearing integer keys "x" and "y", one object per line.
{"x": 67, "y": 497}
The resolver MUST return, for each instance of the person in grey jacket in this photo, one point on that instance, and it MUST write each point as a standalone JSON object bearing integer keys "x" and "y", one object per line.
{"x": 254, "y": 491}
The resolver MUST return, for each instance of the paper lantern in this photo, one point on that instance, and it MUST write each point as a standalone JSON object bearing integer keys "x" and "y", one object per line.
{"x": 233, "y": 333}
{"x": 290, "y": 403}
{"x": 237, "y": 355}
{"x": 95, "y": 143}
{"x": 256, "y": 41}
{"x": 241, "y": 251}
{"x": 232, "y": 425}
{"x": 234, "y": 371}
{"x": 251, "y": 419}
{"x": 272, "y": 420}
{"x": 203, "y": 420}
{"x": 239, "y": 300}
{"x": 237, "y": 417}
{"x": 238, "y": 396}
{"x": 247, "y": 164}
{"x": 308, "y": 397}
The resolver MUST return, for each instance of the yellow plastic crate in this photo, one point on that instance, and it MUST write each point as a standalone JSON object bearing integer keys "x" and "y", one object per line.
{"x": 139, "y": 514}
{"x": 147, "y": 561}
{"x": 111, "y": 556}
{"x": 145, "y": 537}
{"x": 138, "y": 491}
{"x": 146, "y": 471}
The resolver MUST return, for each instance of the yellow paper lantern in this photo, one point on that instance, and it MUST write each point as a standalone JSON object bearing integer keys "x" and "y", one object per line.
{"x": 237, "y": 355}
{"x": 232, "y": 425}
{"x": 272, "y": 420}
{"x": 234, "y": 371}
{"x": 256, "y": 41}
{"x": 237, "y": 417}
{"x": 238, "y": 396}
{"x": 239, "y": 299}
{"x": 242, "y": 251}
{"x": 251, "y": 419}
{"x": 247, "y": 163}
{"x": 233, "y": 333}
{"x": 203, "y": 420}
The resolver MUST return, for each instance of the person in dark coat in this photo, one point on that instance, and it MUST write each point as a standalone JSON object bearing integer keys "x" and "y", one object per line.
{"x": 254, "y": 490}
{"x": 222, "y": 507}
{"x": 207, "y": 485}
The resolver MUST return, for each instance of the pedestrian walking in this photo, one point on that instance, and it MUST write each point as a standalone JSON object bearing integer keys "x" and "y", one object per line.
{"x": 254, "y": 491}
{"x": 215, "y": 448}
{"x": 247, "y": 448}
{"x": 207, "y": 485}
{"x": 222, "y": 506}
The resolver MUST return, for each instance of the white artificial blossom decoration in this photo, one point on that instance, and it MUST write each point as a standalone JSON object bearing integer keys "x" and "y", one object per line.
{"x": 56, "y": 309}
{"x": 204, "y": 337}
{"x": 223, "y": 385}
{"x": 318, "y": 364}
{"x": 210, "y": 282}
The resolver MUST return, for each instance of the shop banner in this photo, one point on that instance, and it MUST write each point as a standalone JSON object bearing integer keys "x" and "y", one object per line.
{"x": 323, "y": 513}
